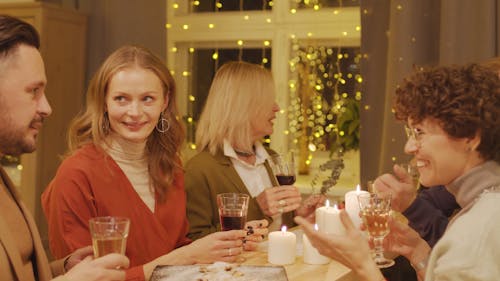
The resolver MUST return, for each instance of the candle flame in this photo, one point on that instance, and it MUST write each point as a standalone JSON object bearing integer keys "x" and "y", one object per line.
{"x": 327, "y": 203}
{"x": 358, "y": 188}
{"x": 283, "y": 229}
{"x": 316, "y": 227}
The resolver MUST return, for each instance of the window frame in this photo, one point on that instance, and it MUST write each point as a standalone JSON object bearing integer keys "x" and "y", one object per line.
{"x": 328, "y": 26}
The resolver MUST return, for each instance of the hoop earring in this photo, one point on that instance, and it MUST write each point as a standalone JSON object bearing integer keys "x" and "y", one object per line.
{"x": 105, "y": 123}
{"x": 163, "y": 124}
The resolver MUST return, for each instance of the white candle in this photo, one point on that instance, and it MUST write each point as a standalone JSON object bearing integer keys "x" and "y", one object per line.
{"x": 311, "y": 254}
{"x": 352, "y": 205}
{"x": 281, "y": 248}
{"x": 328, "y": 219}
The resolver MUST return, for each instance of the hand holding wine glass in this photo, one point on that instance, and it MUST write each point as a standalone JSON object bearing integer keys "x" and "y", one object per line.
{"x": 375, "y": 211}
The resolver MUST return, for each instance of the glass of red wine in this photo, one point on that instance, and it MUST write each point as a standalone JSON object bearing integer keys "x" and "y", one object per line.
{"x": 283, "y": 166}
{"x": 233, "y": 208}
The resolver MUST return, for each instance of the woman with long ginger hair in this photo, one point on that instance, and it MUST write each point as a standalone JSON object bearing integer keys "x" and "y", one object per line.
{"x": 124, "y": 161}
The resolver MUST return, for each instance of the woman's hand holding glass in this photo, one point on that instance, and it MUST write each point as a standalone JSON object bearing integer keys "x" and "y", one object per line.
{"x": 218, "y": 246}
{"x": 256, "y": 231}
{"x": 401, "y": 185}
{"x": 404, "y": 240}
{"x": 277, "y": 200}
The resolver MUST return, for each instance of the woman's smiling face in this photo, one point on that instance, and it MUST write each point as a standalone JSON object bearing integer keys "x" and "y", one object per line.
{"x": 440, "y": 158}
{"x": 134, "y": 102}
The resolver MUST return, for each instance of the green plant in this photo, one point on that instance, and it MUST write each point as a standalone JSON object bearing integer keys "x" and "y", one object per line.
{"x": 347, "y": 135}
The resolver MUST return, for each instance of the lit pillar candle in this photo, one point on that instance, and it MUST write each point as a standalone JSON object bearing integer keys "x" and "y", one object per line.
{"x": 328, "y": 219}
{"x": 310, "y": 254}
{"x": 282, "y": 246}
{"x": 352, "y": 205}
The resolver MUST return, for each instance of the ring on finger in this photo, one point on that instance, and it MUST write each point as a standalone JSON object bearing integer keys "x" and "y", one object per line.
{"x": 229, "y": 252}
{"x": 282, "y": 202}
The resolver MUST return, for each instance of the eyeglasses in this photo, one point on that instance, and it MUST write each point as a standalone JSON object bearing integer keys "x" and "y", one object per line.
{"x": 414, "y": 133}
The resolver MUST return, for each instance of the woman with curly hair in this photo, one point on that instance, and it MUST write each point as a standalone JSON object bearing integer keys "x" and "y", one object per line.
{"x": 452, "y": 115}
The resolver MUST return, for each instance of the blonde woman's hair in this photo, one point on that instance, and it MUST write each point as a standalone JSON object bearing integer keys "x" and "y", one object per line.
{"x": 90, "y": 126}
{"x": 239, "y": 92}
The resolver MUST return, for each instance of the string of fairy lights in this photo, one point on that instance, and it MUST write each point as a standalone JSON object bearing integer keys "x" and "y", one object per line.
{"x": 319, "y": 88}
{"x": 319, "y": 95}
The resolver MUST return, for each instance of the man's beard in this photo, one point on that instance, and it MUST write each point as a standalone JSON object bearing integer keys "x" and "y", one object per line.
{"x": 15, "y": 141}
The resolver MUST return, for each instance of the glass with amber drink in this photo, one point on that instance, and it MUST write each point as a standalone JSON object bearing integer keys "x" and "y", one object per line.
{"x": 375, "y": 210}
{"x": 109, "y": 235}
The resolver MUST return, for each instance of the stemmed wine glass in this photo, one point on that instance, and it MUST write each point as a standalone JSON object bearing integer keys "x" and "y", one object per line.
{"x": 375, "y": 210}
{"x": 283, "y": 166}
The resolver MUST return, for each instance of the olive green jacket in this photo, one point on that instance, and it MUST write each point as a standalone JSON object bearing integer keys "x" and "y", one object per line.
{"x": 208, "y": 175}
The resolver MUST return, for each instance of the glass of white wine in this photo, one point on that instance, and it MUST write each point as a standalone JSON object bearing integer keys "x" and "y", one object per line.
{"x": 375, "y": 210}
{"x": 412, "y": 170}
{"x": 109, "y": 235}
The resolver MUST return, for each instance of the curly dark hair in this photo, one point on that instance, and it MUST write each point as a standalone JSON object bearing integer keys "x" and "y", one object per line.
{"x": 464, "y": 100}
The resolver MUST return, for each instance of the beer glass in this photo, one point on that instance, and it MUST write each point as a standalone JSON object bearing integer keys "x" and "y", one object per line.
{"x": 109, "y": 235}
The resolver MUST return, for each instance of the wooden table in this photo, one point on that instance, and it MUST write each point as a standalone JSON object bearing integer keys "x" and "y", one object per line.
{"x": 299, "y": 271}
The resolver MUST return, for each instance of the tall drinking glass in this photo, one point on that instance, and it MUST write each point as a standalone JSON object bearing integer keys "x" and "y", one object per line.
{"x": 283, "y": 166}
{"x": 412, "y": 170}
{"x": 109, "y": 235}
{"x": 233, "y": 209}
{"x": 375, "y": 210}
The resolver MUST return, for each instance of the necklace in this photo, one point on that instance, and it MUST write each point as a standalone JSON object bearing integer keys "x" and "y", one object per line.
{"x": 244, "y": 153}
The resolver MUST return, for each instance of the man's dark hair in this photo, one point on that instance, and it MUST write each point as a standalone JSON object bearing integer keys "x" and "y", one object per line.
{"x": 14, "y": 32}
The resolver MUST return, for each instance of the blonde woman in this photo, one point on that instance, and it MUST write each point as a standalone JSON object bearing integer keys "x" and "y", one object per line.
{"x": 124, "y": 161}
{"x": 239, "y": 111}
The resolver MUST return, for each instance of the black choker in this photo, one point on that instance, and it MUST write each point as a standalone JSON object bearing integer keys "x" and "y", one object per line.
{"x": 244, "y": 153}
